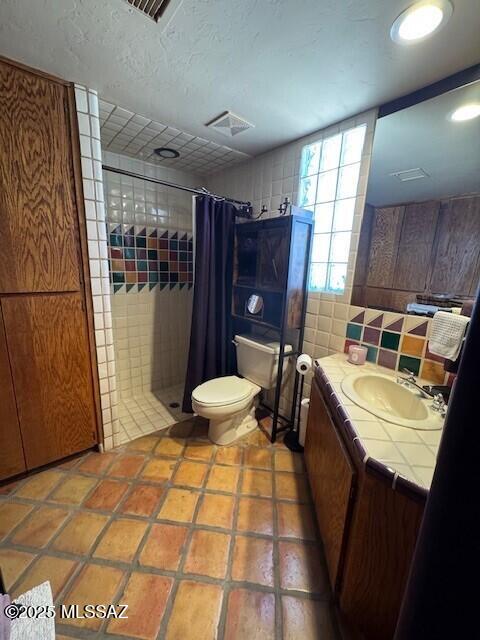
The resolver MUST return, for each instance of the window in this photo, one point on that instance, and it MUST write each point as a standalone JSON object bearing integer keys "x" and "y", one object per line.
{"x": 329, "y": 174}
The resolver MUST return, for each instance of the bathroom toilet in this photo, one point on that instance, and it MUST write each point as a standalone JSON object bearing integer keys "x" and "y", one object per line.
{"x": 229, "y": 402}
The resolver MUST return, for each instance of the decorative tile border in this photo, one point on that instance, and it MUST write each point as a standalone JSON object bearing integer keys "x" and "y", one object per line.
{"x": 395, "y": 341}
{"x": 141, "y": 257}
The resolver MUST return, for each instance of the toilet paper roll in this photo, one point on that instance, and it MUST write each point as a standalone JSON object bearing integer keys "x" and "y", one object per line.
{"x": 304, "y": 363}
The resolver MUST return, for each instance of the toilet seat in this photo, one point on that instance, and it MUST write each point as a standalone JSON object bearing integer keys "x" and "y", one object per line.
{"x": 222, "y": 392}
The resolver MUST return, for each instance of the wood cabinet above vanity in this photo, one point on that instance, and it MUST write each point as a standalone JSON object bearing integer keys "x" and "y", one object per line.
{"x": 369, "y": 514}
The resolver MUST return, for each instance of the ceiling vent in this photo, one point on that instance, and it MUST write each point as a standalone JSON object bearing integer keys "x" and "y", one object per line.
{"x": 409, "y": 174}
{"x": 152, "y": 8}
{"x": 229, "y": 124}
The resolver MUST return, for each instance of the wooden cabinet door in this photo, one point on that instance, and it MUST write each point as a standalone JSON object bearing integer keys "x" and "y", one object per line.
{"x": 12, "y": 460}
{"x": 38, "y": 226}
{"x": 332, "y": 479}
{"x": 49, "y": 356}
{"x": 458, "y": 250}
{"x": 416, "y": 245}
{"x": 387, "y": 226}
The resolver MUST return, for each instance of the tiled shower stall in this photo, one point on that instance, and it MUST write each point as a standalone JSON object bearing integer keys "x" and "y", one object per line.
{"x": 140, "y": 248}
{"x": 150, "y": 249}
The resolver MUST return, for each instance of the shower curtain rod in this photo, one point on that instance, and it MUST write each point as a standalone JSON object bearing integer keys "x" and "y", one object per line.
{"x": 199, "y": 192}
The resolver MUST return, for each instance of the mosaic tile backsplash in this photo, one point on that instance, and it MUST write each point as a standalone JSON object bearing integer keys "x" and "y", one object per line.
{"x": 149, "y": 257}
{"x": 395, "y": 341}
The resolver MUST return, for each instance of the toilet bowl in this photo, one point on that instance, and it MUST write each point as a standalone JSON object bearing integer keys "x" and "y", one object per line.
{"x": 229, "y": 402}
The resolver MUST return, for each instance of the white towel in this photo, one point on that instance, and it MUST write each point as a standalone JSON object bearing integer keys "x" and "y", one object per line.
{"x": 448, "y": 332}
{"x": 34, "y": 628}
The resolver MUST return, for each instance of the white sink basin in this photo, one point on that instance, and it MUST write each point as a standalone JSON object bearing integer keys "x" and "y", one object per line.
{"x": 388, "y": 400}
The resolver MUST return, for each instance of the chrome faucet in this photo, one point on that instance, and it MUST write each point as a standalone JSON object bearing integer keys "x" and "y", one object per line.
{"x": 411, "y": 380}
{"x": 438, "y": 404}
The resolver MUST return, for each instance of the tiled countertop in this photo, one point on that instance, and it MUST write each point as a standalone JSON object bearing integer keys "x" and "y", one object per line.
{"x": 406, "y": 452}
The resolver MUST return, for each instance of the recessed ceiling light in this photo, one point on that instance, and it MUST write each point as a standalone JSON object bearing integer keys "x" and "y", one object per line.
{"x": 420, "y": 20}
{"x": 166, "y": 152}
{"x": 466, "y": 112}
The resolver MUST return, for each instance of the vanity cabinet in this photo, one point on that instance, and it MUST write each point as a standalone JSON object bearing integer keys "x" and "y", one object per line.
{"x": 332, "y": 478}
{"x": 368, "y": 527}
{"x": 49, "y": 402}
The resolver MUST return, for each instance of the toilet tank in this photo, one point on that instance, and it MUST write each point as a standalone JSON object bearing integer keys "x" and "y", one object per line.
{"x": 257, "y": 359}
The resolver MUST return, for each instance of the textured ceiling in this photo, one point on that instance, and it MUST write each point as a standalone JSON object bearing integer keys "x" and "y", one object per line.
{"x": 289, "y": 67}
{"x": 123, "y": 131}
{"x": 423, "y": 136}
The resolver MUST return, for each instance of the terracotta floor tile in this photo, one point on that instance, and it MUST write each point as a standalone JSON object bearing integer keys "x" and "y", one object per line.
{"x": 250, "y": 616}
{"x": 7, "y": 489}
{"x": 11, "y": 514}
{"x": 199, "y": 451}
{"x": 170, "y": 447}
{"x": 40, "y": 485}
{"x": 146, "y": 596}
{"x": 121, "y": 540}
{"x": 56, "y": 570}
{"x": 253, "y": 560}
{"x": 289, "y": 461}
{"x": 257, "y": 438}
{"x": 196, "y": 612}
{"x": 292, "y": 486}
{"x": 73, "y": 489}
{"x": 40, "y": 527}
{"x": 255, "y": 515}
{"x": 257, "y": 483}
{"x": 181, "y": 429}
{"x": 223, "y": 478}
{"x": 97, "y": 463}
{"x": 296, "y": 521}
{"x": 229, "y": 455}
{"x": 66, "y": 465}
{"x": 164, "y": 547}
{"x": 216, "y": 511}
{"x": 126, "y": 466}
{"x": 179, "y": 505}
{"x": 107, "y": 495}
{"x": 80, "y": 533}
{"x": 158, "y": 470}
{"x": 190, "y": 474}
{"x": 96, "y": 584}
{"x": 257, "y": 457}
{"x": 208, "y": 554}
{"x": 143, "y": 500}
{"x": 301, "y": 568}
{"x": 306, "y": 619}
{"x": 146, "y": 444}
{"x": 200, "y": 428}
{"x": 13, "y": 564}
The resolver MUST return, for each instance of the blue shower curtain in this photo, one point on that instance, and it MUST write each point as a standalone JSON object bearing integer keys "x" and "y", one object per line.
{"x": 210, "y": 354}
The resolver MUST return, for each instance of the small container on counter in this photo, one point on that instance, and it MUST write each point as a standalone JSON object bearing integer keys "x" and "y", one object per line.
{"x": 357, "y": 354}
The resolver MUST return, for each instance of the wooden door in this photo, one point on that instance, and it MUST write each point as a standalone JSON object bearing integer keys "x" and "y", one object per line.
{"x": 12, "y": 460}
{"x": 38, "y": 220}
{"x": 332, "y": 479}
{"x": 455, "y": 268}
{"x": 49, "y": 355}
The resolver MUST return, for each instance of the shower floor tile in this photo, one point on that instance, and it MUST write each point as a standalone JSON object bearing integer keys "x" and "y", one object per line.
{"x": 149, "y": 412}
{"x": 195, "y": 543}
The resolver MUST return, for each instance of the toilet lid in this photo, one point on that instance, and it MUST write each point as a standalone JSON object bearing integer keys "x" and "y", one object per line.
{"x": 222, "y": 391}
